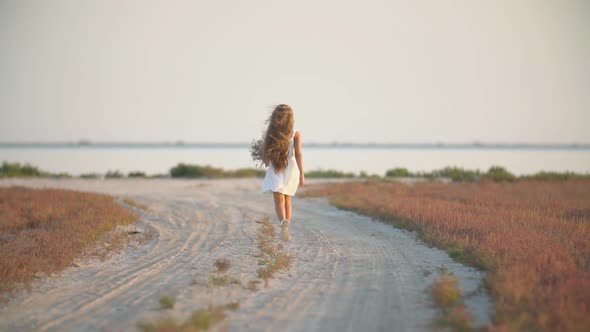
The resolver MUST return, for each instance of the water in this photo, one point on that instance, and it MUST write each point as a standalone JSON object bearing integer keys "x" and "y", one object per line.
{"x": 157, "y": 160}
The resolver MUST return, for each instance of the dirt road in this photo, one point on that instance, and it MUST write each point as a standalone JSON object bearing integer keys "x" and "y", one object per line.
{"x": 348, "y": 274}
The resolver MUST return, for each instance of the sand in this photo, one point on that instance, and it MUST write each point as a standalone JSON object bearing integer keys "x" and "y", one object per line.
{"x": 349, "y": 273}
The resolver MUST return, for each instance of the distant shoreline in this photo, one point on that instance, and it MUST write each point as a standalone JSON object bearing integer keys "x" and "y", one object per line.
{"x": 334, "y": 145}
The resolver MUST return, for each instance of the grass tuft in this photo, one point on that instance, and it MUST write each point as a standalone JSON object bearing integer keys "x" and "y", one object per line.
{"x": 445, "y": 291}
{"x": 200, "y": 320}
{"x": 167, "y": 302}
{"x": 253, "y": 285}
{"x": 234, "y": 305}
{"x": 222, "y": 265}
{"x": 223, "y": 280}
{"x": 447, "y": 296}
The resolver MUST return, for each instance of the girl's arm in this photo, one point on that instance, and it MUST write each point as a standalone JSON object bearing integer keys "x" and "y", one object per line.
{"x": 299, "y": 158}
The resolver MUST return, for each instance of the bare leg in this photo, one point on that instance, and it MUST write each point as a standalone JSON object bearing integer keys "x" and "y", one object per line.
{"x": 279, "y": 205}
{"x": 288, "y": 208}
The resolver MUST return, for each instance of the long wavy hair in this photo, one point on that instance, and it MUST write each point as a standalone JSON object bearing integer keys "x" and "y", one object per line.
{"x": 278, "y": 136}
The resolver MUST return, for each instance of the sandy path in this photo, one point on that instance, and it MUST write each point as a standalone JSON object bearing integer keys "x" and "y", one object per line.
{"x": 348, "y": 273}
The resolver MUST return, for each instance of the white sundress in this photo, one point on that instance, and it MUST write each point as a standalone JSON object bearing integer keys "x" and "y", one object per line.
{"x": 286, "y": 181}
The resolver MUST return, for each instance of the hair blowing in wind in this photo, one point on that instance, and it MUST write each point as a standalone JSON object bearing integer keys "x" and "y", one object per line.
{"x": 278, "y": 135}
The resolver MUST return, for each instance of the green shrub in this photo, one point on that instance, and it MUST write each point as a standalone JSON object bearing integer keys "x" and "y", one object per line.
{"x": 113, "y": 175}
{"x": 555, "y": 176}
{"x": 398, "y": 172}
{"x": 27, "y": 170}
{"x": 196, "y": 171}
{"x": 328, "y": 174}
{"x": 62, "y": 175}
{"x": 136, "y": 174}
{"x": 90, "y": 176}
{"x": 200, "y": 320}
{"x": 365, "y": 175}
{"x": 456, "y": 174}
{"x": 159, "y": 176}
{"x": 167, "y": 302}
{"x": 499, "y": 174}
{"x": 18, "y": 170}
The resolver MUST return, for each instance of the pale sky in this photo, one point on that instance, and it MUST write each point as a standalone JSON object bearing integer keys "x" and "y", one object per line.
{"x": 362, "y": 71}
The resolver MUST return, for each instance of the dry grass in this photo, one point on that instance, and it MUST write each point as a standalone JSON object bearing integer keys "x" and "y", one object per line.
{"x": 447, "y": 297}
{"x": 222, "y": 265}
{"x": 220, "y": 278}
{"x": 271, "y": 255}
{"x": 253, "y": 285}
{"x": 458, "y": 319}
{"x": 167, "y": 302}
{"x": 200, "y": 320}
{"x": 445, "y": 291}
{"x": 223, "y": 280}
{"x": 532, "y": 238}
{"x": 42, "y": 231}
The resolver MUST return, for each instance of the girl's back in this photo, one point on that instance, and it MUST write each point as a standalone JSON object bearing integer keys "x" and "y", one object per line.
{"x": 285, "y": 181}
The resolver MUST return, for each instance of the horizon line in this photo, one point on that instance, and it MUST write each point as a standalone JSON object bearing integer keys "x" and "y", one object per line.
{"x": 344, "y": 144}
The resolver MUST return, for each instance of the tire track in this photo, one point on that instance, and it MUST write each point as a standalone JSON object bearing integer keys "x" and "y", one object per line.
{"x": 127, "y": 282}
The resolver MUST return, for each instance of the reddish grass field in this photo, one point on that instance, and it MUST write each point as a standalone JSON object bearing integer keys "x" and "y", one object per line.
{"x": 532, "y": 239}
{"x": 42, "y": 231}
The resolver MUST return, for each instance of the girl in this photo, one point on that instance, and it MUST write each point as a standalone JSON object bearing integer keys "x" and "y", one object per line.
{"x": 281, "y": 152}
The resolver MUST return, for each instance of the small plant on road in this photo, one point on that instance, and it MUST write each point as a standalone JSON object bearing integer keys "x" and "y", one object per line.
{"x": 271, "y": 255}
{"x": 167, "y": 302}
{"x": 223, "y": 280}
{"x": 222, "y": 265}
{"x": 200, "y": 320}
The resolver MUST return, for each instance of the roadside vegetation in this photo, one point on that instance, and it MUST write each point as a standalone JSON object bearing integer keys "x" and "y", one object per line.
{"x": 114, "y": 175}
{"x": 90, "y": 176}
{"x": 494, "y": 173}
{"x": 183, "y": 170}
{"x": 448, "y": 298}
{"x": 331, "y": 173}
{"x": 26, "y": 170}
{"x": 532, "y": 238}
{"x": 198, "y": 171}
{"x": 42, "y": 231}
{"x": 136, "y": 174}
